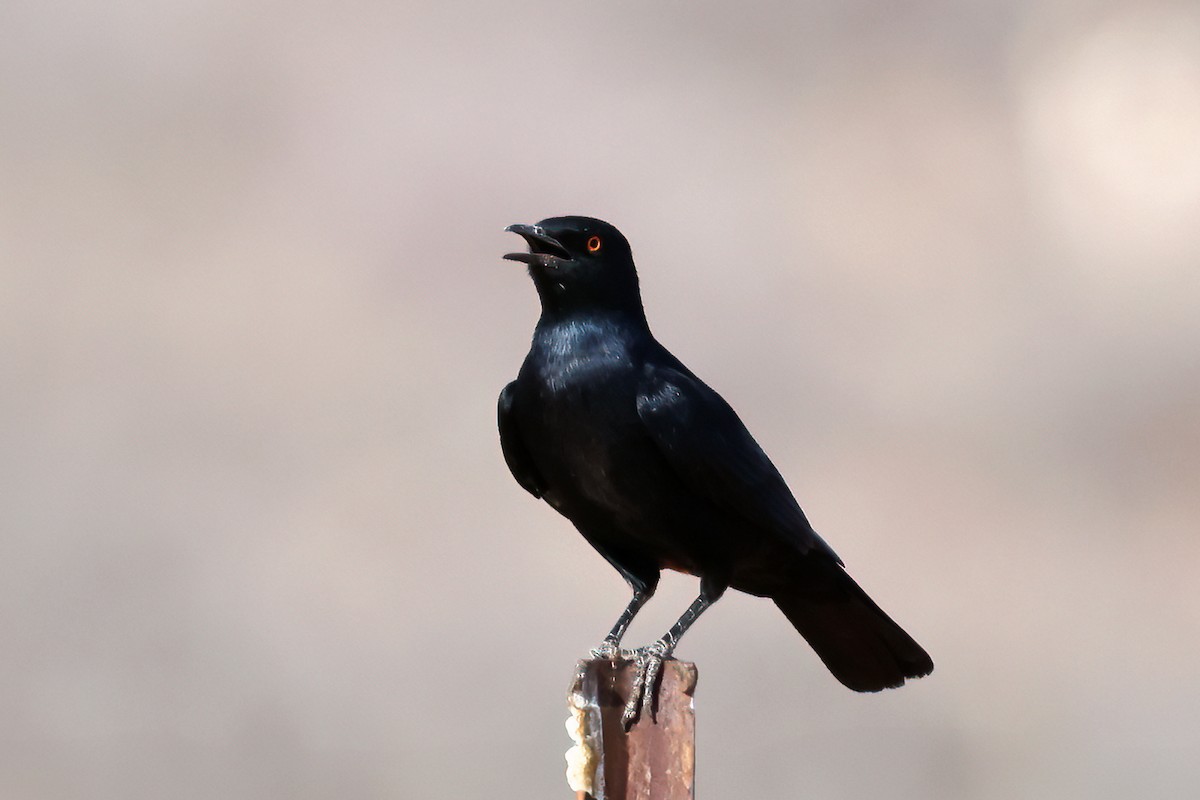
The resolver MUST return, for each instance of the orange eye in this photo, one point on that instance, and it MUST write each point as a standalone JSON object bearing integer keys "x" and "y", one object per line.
{"x": 593, "y": 244}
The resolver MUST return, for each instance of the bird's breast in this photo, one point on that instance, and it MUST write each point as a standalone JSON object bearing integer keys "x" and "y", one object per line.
{"x": 578, "y": 407}
{"x": 577, "y": 357}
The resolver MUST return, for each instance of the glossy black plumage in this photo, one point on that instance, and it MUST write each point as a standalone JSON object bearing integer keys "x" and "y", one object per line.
{"x": 657, "y": 471}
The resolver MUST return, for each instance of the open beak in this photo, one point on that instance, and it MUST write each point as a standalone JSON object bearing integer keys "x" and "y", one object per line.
{"x": 544, "y": 251}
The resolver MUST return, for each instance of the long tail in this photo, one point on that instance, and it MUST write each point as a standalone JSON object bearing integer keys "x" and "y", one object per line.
{"x": 861, "y": 645}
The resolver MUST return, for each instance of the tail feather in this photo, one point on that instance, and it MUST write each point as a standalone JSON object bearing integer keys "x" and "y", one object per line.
{"x": 859, "y": 643}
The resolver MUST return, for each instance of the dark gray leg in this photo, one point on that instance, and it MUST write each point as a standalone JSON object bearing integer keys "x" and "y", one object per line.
{"x": 610, "y": 648}
{"x": 650, "y": 658}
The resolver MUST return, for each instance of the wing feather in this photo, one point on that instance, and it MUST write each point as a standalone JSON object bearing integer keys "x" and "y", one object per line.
{"x": 708, "y": 446}
{"x": 520, "y": 464}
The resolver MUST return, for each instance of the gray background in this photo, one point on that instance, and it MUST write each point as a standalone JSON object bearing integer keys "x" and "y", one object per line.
{"x": 257, "y": 537}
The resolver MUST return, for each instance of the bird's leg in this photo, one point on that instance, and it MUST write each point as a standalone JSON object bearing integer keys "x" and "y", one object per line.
{"x": 649, "y": 662}
{"x": 610, "y": 648}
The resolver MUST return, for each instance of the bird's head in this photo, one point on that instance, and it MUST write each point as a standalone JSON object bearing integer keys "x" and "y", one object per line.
{"x": 579, "y": 264}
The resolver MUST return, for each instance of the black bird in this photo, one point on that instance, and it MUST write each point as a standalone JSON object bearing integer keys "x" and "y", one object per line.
{"x": 657, "y": 471}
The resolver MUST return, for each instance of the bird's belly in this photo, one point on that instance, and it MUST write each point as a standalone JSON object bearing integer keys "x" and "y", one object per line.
{"x": 603, "y": 472}
{"x": 596, "y": 460}
{"x": 614, "y": 485}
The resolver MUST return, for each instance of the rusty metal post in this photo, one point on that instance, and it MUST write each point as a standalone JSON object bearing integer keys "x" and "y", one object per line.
{"x": 656, "y": 760}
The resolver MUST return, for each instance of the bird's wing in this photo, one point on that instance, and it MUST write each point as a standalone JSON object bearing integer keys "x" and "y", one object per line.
{"x": 515, "y": 454}
{"x": 707, "y": 445}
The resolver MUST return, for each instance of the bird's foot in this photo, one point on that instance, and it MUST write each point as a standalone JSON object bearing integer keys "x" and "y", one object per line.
{"x": 643, "y": 694}
{"x": 611, "y": 650}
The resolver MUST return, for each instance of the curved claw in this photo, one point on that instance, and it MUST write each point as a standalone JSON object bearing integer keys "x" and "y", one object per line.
{"x": 643, "y": 694}
{"x": 610, "y": 650}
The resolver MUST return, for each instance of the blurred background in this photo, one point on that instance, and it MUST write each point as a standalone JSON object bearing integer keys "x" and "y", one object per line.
{"x": 257, "y": 539}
